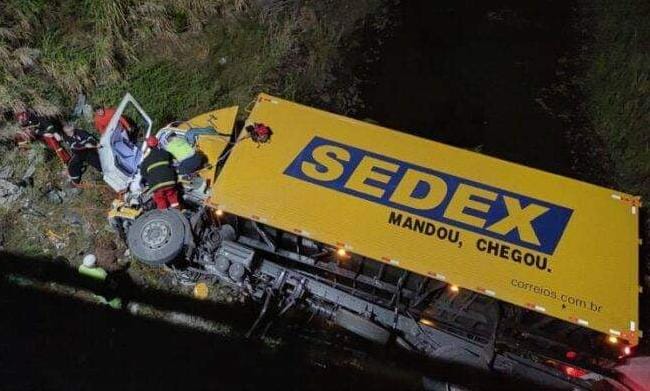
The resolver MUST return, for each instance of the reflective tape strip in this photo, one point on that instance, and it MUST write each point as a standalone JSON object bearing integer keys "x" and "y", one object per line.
{"x": 634, "y": 210}
{"x": 301, "y": 232}
{"x": 579, "y": 321}
{"x": 632, "y": 325}
{"x": 615, "y": 332}
{"x": 158, "y": 164}
{"x": 486, "y": 291}
{"x": 437, "y": 276}
{"x": 536, "y": 307}
{"x": 390, "y": 260}
{"x": 634, "y": 201}
{"x": 344, "y": 245}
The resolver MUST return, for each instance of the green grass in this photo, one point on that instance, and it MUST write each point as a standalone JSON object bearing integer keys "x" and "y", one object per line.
{"x": 177, "y": 57}
{"x": 617, "y": 88}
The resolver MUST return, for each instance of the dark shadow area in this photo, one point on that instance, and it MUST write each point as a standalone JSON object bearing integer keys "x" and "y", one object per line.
{"x": 52, "y": 341}
{"x": 58, "y": 342}
{"x": 470, "y": 74}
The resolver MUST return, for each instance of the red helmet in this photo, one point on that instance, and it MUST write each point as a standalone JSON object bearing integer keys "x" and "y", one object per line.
{"x": 152, "y": 142}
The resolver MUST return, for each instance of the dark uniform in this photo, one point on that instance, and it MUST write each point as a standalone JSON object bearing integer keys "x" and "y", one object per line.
{"x": 157, "y": 171}
{"x": 45, "y": 130}
{"x": 82, "y": 155}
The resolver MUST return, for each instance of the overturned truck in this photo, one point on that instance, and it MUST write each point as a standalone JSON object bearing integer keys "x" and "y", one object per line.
{"x": 442, "y": 251}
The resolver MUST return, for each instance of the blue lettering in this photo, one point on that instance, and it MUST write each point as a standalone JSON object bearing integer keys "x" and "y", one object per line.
{"x": 470, "y": 205}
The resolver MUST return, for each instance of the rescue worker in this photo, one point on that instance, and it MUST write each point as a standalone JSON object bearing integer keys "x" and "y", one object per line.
{"x": 42, "y": 129}
{"x": 157, "y": 171}
{"x": 187, "y": 158}
{"x": 84, "y": 152}
{"x": 103, "y": 116}
{"x": 90, "y": 269}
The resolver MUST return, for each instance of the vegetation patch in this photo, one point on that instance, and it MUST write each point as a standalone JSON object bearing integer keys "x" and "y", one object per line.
{"x": 616, "y": 85}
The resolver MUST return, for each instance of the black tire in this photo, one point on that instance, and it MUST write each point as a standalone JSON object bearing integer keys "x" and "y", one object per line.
{"x": 361, "y": 326}
{"x": 158, "y": 236}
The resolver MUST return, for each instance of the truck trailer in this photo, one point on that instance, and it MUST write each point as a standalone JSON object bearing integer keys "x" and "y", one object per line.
{"x": 449, "y": 253}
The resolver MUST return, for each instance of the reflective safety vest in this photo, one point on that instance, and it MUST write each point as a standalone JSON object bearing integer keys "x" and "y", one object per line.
{"x": 180, "y": 148}
{"x": 93, "y": 272}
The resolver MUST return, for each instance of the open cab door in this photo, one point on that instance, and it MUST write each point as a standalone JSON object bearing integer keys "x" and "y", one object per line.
{"x": 122, "y": 148}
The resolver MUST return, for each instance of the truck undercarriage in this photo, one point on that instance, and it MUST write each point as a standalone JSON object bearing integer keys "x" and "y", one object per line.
{"x": 283, "y": 271}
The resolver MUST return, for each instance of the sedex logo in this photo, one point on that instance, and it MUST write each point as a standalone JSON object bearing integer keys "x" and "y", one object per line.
{"x": 480, "y": 208}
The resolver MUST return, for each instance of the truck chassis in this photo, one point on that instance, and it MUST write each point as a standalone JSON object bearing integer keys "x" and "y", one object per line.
{"x": 382, "y": 303}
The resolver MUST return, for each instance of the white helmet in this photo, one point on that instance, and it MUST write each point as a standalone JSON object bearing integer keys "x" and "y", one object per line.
{"x": 89, "y": 260}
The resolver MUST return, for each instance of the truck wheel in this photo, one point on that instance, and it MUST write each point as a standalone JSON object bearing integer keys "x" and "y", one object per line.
{"x": 361, "y": 326}
{"x": 157, "y": 237}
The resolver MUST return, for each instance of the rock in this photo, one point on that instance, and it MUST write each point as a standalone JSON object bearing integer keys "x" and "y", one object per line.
{"x": 72, "y": 218}
{"x": 133, "y": 308}
{"x": 72, "y": 191}
{"x": 55, "y": 196}
{"x": 107, "y": 256}
{"x": 34, "y": 157}
{"x": 6, "y": 172}
{"x": 29, "y": 173}
{"x": 8, "y": 193}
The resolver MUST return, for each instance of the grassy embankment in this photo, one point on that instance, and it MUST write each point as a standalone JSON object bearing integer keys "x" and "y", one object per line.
{"x": 178, "y": 58}
{"x": 616, "y": 85}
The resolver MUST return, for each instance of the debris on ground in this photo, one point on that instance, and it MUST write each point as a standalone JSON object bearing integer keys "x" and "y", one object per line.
{"x": 9, "y": 193}
{"x": 55, "y": 196}
{"x": 201, "y": 291}
{"x": 56, "y": 239}
{"x": 28, "y": 176}
{"x": 107, "y": 253}
{"x": 72, "y": 219}
{"x": 6, "y": 172}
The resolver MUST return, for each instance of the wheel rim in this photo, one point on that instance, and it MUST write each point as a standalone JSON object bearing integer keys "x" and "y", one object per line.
{"x": 155, "y": 234}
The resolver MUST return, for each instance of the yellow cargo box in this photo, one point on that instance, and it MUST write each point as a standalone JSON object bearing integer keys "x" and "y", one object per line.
{"x": 552, "y": 244}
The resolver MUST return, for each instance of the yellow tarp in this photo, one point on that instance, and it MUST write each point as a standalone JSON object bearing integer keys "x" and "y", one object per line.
{"x": 549, "y": 243}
